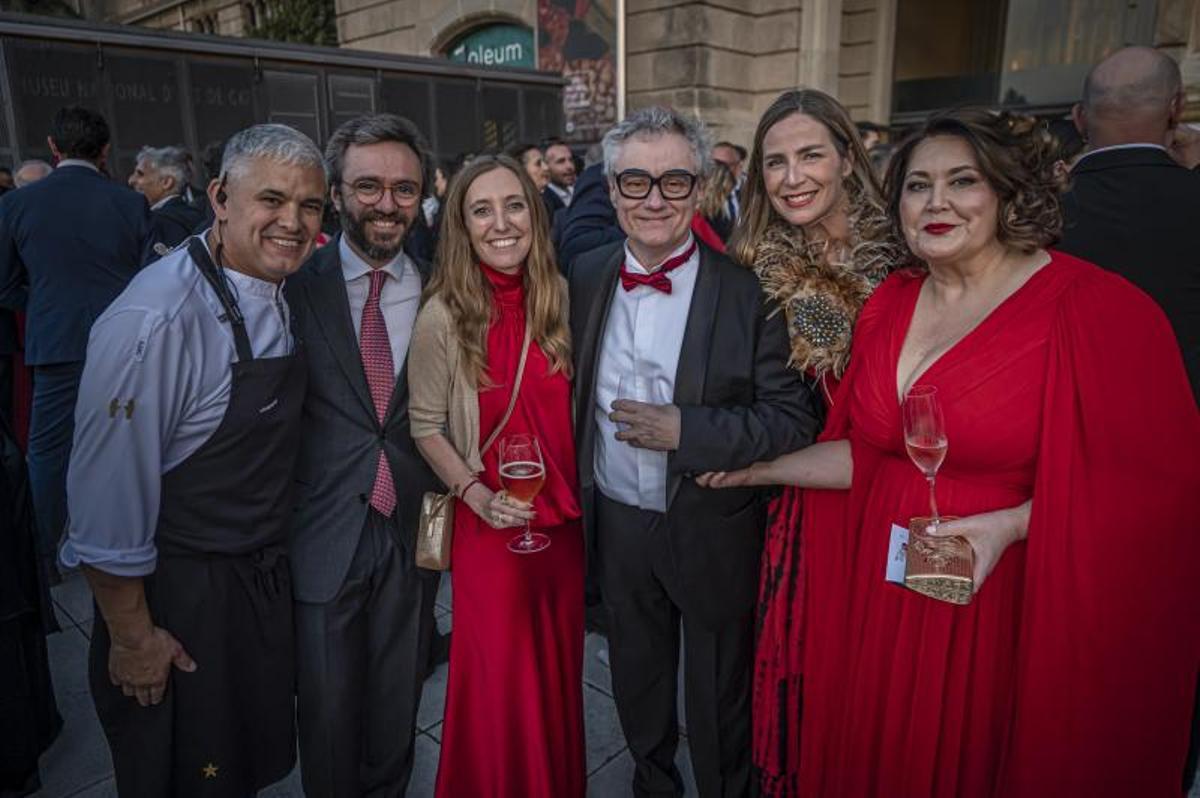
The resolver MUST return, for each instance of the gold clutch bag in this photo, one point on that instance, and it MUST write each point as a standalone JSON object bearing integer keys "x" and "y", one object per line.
{"x": 435, "y": 531}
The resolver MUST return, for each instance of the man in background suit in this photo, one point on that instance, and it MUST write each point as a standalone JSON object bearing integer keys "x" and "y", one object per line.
{"x": 1130, "y": 207}
{"x": 694, "y": 327}
{"x": 161, "y": 176}
{"x": 360, "y": 618}
{"x": 69, "y": 244}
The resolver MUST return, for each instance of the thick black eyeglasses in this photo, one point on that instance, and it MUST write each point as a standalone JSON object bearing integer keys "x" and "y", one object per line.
{"x": 370, "y": 192}
{"x": 675, "y": 184}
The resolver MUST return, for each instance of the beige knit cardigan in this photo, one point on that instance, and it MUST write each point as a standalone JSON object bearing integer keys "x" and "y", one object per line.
{"x": 442, "y": 395}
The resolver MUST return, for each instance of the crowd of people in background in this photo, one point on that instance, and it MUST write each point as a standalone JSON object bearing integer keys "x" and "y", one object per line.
{"x": 228, "y": 398}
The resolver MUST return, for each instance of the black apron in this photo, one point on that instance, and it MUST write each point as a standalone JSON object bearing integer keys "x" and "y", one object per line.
{"x": 222, "y": 587}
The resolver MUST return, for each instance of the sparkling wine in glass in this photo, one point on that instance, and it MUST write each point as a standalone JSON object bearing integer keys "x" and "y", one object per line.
{"x": 634, "y": 388}
{"x": 523, "y": 472}
{"x": 937, "y": 567}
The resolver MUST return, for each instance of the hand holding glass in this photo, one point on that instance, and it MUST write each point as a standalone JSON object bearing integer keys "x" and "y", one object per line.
{"x": 522, "y": 472}
{"x": 940, "y": 568}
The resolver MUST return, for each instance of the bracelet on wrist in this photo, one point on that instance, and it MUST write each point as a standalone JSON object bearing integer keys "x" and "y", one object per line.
{"x": 471, "y": 484}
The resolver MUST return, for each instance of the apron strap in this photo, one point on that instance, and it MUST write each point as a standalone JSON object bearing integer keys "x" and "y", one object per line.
{"x": 204, "y": 263}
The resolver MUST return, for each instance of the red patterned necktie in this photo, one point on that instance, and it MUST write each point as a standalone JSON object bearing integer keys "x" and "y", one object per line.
{"x": 658, "y": 279}
{"x": 376, "y": 352}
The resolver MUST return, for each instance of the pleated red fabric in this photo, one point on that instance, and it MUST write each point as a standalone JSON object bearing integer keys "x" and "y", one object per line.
{"x": 514, "y": 702}
{"x": 1073, "y": 669}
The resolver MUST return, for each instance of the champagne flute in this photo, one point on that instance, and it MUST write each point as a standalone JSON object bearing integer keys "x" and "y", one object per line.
{"x": 634, "y": 388}
{"x": 937, "y": 567}
{"x": 523, "y": 472}
{"x": 925, "y": 436}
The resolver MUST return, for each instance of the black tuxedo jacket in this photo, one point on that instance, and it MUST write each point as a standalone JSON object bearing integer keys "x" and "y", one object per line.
{"x": 1134, "y": 211}
{"x": 342, "y": 433}
{"x": 739, "y": 403}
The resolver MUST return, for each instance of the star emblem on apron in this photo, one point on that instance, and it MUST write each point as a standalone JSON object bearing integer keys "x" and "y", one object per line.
{"x": 209, "y": 771}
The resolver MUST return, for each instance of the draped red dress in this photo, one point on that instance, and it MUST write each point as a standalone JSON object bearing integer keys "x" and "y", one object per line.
{"x": 514, "y": 702}
{"x": 1072, "y": 671}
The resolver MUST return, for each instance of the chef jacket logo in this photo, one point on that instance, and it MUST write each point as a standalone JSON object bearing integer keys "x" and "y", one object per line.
{"x": 116, "y": 405}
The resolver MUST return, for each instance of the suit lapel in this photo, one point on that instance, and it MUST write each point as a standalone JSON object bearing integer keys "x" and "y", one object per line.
{"x": 693, "y": 353}
{"x": 331, "y": 309}
{"x": 602, "y": 285}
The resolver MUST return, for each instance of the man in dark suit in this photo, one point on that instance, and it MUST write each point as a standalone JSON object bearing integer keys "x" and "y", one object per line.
{"x": 590, "y": 222}
{"x": 161, "y": 175}
{"x": 69, "y": 244}
{"x": 1130, "y": 207}
{"x": 360, "y": 601}
{"x": 680, "y": 368}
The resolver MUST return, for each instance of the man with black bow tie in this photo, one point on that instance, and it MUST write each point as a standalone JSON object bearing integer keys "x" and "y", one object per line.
{"x": 680, "y": 368}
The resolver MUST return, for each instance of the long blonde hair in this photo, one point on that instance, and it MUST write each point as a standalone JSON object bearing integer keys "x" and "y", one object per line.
{"x": 757, "y": 211}
{"x": 459, "y": 281}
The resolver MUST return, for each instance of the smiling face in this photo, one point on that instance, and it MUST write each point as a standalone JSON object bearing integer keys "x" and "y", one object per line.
{"x": 803, "y": 171}
{"x": 948, "y": 210}
{"x": 499, "y": 221}
{"x": 270, "y": 218}
{"x": 376, "y": 230}
{"x": 655, "y": 226}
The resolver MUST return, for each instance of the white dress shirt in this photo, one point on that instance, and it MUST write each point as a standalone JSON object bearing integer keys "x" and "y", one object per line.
{"x": 1135, "y": 146}
{"x": 398, "y": 299}
{"x": 78, "y": 162}
{"x": 564, "y": 194}
{"x": 155, "y": 387}
{"x": 642, "y": 338}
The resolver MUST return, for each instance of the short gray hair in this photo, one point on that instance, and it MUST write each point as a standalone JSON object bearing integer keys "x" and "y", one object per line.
{"x": 22, "y": 177}
{"x": 658, "y": 120}
{"x": 172, "y": 161}
{"x": 274, "y": 142}
{"x": 374, "y": 129}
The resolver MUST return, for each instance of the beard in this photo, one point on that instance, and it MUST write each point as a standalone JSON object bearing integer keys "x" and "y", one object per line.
{"x": 355, "y": 228}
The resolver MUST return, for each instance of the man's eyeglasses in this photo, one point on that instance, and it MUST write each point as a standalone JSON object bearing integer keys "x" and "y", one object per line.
{"x": 370, "y": 192}
{"x": 675, "y": 184}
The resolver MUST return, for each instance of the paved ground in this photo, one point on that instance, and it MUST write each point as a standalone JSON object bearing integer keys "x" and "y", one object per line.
{"x": 78, "y": 763}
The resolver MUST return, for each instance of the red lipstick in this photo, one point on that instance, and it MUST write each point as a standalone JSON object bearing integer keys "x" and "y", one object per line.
{"x": 938, "y": 228}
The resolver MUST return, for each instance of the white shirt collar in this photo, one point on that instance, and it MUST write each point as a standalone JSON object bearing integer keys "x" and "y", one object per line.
{"x": 78, "y": 162}
{"x": 264, "y": 289}
{"x": 353, "y": 266}
{"x": 1135, "y": 146}
{"x": 163, "y": 202}
{"x": 564, "y": 194}
{"x": 634, "y": 264}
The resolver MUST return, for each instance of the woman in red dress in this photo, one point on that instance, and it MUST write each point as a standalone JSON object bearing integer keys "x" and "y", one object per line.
{"x": 815, "y": 230}
{"x": 1072, "y": 438}
{"x": 514, "y": 706}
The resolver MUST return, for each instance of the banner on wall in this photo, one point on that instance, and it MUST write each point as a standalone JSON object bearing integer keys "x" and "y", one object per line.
{"x": 578, "y": 38}
{"x": 495, "y": 45}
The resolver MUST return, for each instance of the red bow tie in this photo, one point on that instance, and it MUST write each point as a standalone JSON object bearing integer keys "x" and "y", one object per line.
{"x": 658, "y": 280}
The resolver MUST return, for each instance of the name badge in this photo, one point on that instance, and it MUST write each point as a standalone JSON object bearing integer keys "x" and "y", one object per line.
{"x": 897, "y": 555}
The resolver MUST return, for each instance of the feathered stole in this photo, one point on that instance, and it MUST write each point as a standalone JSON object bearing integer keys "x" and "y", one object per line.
{"x": 822, "y": 299}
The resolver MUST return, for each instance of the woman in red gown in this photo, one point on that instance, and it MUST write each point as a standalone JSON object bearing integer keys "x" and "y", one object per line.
{"x": 1072, "y": 439}
{"x": 818, "y": 257}
{"x": 514, "y": 707}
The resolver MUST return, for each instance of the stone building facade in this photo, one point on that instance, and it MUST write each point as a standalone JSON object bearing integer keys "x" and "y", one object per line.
{"x": 725, "y": 60}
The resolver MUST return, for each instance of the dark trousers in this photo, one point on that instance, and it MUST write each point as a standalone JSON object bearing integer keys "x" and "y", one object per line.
{"x": 641, "y": 588}
{"x": 360, "y": 670}
{"x": 51, "y": 426}
{"x": 8, "y": 367}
